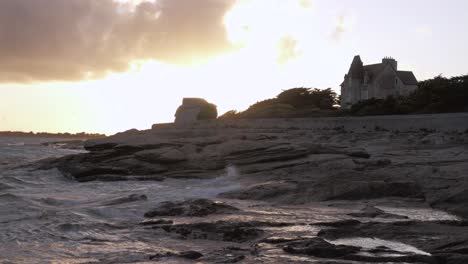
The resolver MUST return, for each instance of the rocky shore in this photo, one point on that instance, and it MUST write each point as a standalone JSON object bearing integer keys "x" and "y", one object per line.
{"x": 362, "y": 174}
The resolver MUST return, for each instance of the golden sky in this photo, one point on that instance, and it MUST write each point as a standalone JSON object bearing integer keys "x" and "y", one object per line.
{"x": 112, "y": 65}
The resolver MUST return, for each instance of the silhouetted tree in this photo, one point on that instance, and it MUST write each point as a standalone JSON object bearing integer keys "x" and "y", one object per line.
{"x": 437, "y": 95}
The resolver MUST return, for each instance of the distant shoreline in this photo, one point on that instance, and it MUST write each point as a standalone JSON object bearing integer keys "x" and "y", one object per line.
{"x": 50, "y": 135}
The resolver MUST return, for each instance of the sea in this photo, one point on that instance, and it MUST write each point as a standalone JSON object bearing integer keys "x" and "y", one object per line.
{"x": 48, "y": 218}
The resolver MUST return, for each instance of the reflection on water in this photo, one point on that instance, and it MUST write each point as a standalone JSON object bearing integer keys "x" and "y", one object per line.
{"x": 420, "y": 214}
{"x": 372, "y": 243}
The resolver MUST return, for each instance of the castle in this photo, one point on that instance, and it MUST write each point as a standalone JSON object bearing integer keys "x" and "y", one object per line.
{"x": 375, "y": 81}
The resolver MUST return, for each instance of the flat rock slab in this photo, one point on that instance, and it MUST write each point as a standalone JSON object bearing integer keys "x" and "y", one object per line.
{"x": 196, "y": 207}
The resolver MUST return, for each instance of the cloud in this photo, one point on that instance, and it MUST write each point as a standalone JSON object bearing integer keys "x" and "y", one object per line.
{"x": 424, "y": 30}
{"x": 46, "y": 40}
{"x": 344, "y": 23}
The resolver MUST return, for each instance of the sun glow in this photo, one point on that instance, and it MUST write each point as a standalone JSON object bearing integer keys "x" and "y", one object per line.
{"x": 270, "y": 38}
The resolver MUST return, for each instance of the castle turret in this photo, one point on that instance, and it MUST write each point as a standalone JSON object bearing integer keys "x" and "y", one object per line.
{"x": 391, "y": 61}
{"x": 356, "y": 71}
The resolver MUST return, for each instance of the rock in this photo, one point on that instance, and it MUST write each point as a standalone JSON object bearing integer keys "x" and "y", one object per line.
{"x": 263, "y": 191}
{"x": 455, "y": 202}
{"x": 126, "y": 199}
{"x": 356, "y": 190}
{"x": 452, "y": 258}
{"x": 373, "y": 212}
{"x": 192, "y": 255}
{"x": 340, "y": 223}
{"x": 220, "y": 231}
{"x": 318, "y": 247}
{"x": 96, "y": 145}
{"x": 194, "y": 109}
{"x": 374, "y": 163}
{"x": 359, "y": 154}
{"x": 156, "y": 222}
{"x": 164, "y": 155}
{"x": 198, "y": 208}
{"x": 226, "y": 255}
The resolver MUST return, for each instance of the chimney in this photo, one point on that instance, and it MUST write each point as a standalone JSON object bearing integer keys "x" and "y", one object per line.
{"x": 391, "y": 61}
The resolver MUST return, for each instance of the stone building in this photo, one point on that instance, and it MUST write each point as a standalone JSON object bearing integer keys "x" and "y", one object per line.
{"x": 194, "y": 109}
{"x": 375, "y": 81}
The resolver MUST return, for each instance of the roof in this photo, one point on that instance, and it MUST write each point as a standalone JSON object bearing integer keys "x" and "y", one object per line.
{"x": 374, "y": 69}
{"x": 407, "y": 77}
{"x": 356, "y": 70}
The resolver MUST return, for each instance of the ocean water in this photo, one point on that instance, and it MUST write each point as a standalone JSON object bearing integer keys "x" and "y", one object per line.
{"x": 47, "y": 218}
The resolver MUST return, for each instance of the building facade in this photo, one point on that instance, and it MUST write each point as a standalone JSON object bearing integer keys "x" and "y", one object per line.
{"x": 375, "y": 81}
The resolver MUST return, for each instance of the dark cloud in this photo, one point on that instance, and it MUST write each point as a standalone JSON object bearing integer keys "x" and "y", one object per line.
{"x": 43, "y": 40}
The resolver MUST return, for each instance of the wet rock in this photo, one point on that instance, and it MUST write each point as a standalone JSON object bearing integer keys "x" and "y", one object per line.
{"x": 221, "y": 231}
{"x": 374, "y": 163}
{"x": 359, "y": 154}
{"x": 227, "y": 255}
{"x": 452, "y": 258}
{"x": 279, "y": 240}
{"x": 340, "y": 223}
{"x": 96, "y": 145}
{"x": 318, "y": 247}
{"x": 164, "y": 155}
{"x": 197, "y": 207}
{"x": 373, "y": 212}
{"x": 445, "y": 240}
{"x": 356, "y": 190}
{"x": 127, "y": 199}
{"x": 456, "y": 202}
{"x": 192, "y": 255}
{"x": 280, "y": 152}
{"x": 156, "y": 222}
{"x": 264, "y": 191}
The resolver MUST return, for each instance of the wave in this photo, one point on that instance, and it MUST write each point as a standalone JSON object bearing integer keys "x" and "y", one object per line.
{"x": 16, "y": 144}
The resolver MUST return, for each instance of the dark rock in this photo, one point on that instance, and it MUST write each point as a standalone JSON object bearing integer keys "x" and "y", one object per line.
{"x": 198, "y": 208}
{"x": 374, "y": 163}
{"x": 340, "y": 223}
{"x": 356, "y": 190}
{"x": 264, "y": 191}
{"x": 127, "y": 199}
{"x": 227, "y": 255}
{"x": 452, "y": 258}
{"x": 373, "y": 212}
{"x": 280, "y": 152}
{"x": 164, "y": 155}
{"x": 359, "y": 154}
{"x": 190, "y": 255}
{"x": 318, "y": 247}
{"x": 92, "y": 145}
{"x": 279, "y": 240}
{"x": 221, "y": 231}
{"x": 156, "y": 222}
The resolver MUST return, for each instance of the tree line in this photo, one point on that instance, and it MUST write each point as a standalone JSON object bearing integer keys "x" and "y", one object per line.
{"x": 436, "y": 95}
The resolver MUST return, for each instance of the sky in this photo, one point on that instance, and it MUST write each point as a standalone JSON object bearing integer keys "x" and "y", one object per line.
{"x": 111, "y": 65}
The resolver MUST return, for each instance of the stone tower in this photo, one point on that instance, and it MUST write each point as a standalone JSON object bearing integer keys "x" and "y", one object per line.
{"x": 355, "y": 79}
